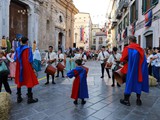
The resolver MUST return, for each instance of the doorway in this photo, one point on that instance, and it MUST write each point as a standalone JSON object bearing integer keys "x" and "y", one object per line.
{"x": 18, "y": 23}
{"x": 60, "y": 40}
{"x": 149, "y": 41}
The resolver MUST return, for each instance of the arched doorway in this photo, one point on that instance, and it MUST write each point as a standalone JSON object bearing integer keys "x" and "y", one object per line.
{"x": 60, "y": 41}
{"x": 18, "y": 24}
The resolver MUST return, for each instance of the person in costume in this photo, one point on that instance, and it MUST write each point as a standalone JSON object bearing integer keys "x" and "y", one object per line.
{"x": 50, "y": 58}
{"x": 4, "y": 42}
{"x": 135, "y": 68}
{"x": 37, "y": 60}
{"x": 79, "y": 88}
{"x": 34, "y": 46}
{"x": 60, "y": 59}
{"x": 4, "y": 74}
{"x": 25, "y": 75}
{"x": 114, "y": 59}
{"x": 103, "y": 56}
{"x": 8, "y": 45}
{"x": 14, "y": 44}
{"x": 12, "y": 64}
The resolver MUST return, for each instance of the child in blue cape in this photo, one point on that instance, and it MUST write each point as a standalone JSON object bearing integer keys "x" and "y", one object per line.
{"x": 79, "y": 88}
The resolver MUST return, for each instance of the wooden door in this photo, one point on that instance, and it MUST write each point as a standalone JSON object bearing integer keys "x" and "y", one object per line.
{"x": 149, "y": 41}
{"x": 18, "y": 19}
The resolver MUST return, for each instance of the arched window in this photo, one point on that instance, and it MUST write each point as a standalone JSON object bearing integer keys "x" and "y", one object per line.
{"x": 60, "y": 19}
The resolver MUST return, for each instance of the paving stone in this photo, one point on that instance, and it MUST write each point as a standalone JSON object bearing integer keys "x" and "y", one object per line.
{"x": 98, "y": 106}
{"x": 38, "y": 116}
{"x": 101, "y": 114}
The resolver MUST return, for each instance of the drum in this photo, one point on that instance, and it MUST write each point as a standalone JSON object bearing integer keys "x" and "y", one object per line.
{"x": 60, "y": 67}
{"x": 119, "y": 76}
{"x": 50, "y": 70}
{"x": 87, "y": 69}
{"x": 108, "y": 65}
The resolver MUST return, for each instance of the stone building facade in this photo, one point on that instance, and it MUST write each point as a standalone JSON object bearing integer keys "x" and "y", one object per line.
{"x": 49, "y": 22}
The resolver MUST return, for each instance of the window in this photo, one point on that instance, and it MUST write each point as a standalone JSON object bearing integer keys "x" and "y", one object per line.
{"x": 100, "y": 40}
{"x": 147, "y": 4}
{"x": 94, "y": 41}
{"x": 60, "y": 19}
{"x": 69, "y": 33}
{"x": 126, "y": 21}
{"x": 139, "y": 39}
{"x": 134, "y": 12}
{"x": 120, "y": 27}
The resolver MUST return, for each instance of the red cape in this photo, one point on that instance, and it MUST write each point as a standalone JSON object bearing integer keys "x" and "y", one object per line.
{"x": 125, "y": 58}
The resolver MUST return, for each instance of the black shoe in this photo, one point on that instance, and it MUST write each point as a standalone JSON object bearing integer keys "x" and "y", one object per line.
{"x": 53, "y": 82}
{"x": 46, "y": 83}
{"x": 118, "y": 85}
{"x": 19, "y": 99}
{"x": 83, "y": 102}
{"x": 139, "y": 102}
{"x": 62, "y": 76}
{"x": 109, "y": 77}
{"x": 124, "y": 102}
{"x": 102, "y": 76}
{"x": 57, "y": 76}
{"x": 75, "y": 102}
{"x": 112, "y": 85}
{"x": 31, "y": 100}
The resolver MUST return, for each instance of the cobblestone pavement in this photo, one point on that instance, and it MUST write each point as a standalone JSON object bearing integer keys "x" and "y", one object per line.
{"x": 55, "y": 102}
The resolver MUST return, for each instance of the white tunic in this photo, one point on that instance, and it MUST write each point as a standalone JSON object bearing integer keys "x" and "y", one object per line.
{"x": 52, "y": 56}
{"x": 101, "y": 57}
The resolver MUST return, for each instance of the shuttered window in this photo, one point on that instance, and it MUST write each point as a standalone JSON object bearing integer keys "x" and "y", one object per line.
{"x": 134, "y": 12}
{"x": 147, "y": 4}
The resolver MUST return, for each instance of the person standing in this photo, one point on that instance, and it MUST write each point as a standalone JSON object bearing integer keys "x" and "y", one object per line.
{"x": 136, "y": 71}
{"x": 8, "y": 45}
{"x": 4, "y": 43}
{"x": 103, "y": 56}
{"x": 149, "y": 55}
{"x": 25, "y": 75}
{"x": 4, "y": 74}
{"x": 12, "y": 64}
{"x": 60, "y": 59}
{"x": 34, "y": 46}
{"x": 79, "y": 88}
{"x": 114, "y": 59}
{"x": 50, "y": 59}
{"x": 37, "y": 60}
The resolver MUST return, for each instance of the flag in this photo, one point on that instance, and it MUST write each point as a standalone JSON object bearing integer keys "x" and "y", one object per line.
{"x": 148, "y": 19}
{"x": 81, "y": 34}
{"x": 133, "y": 27}
{"x": 125, "y": 33}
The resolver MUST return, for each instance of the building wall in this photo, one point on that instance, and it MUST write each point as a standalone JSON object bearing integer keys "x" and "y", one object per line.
{"x": 83, "y": 20}
{"x": 43, "y": 22}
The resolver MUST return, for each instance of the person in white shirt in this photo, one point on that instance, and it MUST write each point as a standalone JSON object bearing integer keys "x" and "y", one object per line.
{"x": 60, "y": 59}
{"x": 50, "y": 58}
{"x": 102, "y": 57}
{"x": 149, "y": 55}
{"x": 114, "y": 59}
{"x": 83, "y": 56}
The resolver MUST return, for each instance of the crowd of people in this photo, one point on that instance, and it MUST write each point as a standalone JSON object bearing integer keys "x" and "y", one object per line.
{"x": 133, "y": 62}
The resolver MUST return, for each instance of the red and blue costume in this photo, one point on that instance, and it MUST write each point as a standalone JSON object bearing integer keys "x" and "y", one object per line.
{"x": 79, "y": 89}
{"x": 136, "y": 69}
{"x": 25, "y": 75}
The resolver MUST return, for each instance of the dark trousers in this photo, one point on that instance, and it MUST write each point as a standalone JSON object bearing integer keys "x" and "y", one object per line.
{"x": 58, "y": 73}
{"x": 4, "y": 81}
{"x": 102, "y": 69}
{"x": 19, "y": 91}
{"x": 48, "y": 78}
{"x": 150, "y": 69}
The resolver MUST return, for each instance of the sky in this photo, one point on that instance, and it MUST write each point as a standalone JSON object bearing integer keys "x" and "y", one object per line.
{"x": 96, "y": 8}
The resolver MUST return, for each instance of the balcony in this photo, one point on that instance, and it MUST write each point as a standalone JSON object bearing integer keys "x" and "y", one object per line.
{"x": 123, "y": 4}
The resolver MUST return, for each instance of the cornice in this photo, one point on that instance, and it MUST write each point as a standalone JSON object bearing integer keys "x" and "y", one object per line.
{"x": 69, "y": 5}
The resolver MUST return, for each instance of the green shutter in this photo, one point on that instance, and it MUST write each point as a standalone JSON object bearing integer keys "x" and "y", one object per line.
{"x": 131, "y": 18}
{"x": 144, "y": 6}
{"x": 136, "y": 9}
{"x": 154, "y": 2}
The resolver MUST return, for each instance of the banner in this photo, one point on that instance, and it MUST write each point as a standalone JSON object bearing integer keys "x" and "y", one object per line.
{"x": 81, "y": 34}
{"x": 148, "y": 19}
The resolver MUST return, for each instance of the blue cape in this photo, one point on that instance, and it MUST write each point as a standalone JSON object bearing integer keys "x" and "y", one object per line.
{"x": 132, "y": 84}
{"x": 18, "y": 57}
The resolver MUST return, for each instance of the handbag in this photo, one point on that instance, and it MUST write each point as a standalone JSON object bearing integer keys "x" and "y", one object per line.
{"x": 3, "y": 68}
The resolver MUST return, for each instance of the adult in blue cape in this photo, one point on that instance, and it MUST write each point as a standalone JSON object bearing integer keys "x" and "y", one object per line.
{"x": 136, "y": 71}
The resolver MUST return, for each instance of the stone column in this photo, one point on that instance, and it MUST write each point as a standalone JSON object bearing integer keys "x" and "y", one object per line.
{"x": 56, "y": 39}
{"x": 63, "y": 42}
{"x": 0, "y": 19}
{"x": 5, "y": 4}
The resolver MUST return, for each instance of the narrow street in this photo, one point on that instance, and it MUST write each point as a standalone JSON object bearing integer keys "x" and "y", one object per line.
{"x": 55, "y": 102}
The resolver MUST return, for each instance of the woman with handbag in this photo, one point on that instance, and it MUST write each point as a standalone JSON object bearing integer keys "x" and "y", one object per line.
{"x": 4, "y": 72}
{"x": 114, "y": 60}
